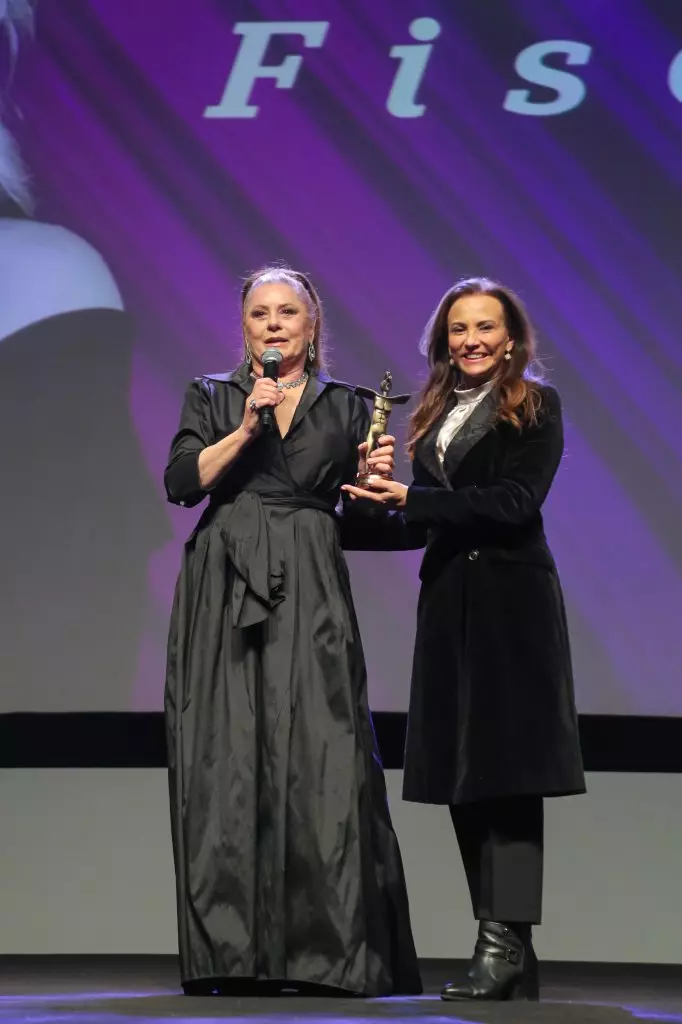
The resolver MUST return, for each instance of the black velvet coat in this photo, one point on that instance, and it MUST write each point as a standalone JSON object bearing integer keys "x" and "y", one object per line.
{"x": 492, "y": 710}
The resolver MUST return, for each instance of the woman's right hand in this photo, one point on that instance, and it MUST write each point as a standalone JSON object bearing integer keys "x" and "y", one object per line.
{"x": 265, "y": 392}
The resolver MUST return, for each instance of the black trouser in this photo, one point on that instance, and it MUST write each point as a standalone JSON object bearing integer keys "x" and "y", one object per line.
{"x": 501, "y": 842}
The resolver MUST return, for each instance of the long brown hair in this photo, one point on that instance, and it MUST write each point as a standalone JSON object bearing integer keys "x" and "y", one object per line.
{"x": 283, "y": 274}
{"x": 520, "y": 396}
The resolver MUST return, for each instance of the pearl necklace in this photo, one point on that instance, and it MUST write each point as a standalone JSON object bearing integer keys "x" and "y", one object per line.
{"x": 289, "y": 384}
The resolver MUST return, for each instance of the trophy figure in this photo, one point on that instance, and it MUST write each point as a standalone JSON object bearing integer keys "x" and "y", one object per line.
{"x": 380, "y": 415}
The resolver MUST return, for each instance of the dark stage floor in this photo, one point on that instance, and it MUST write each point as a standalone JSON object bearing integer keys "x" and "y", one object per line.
{"x": 144, "y": 990}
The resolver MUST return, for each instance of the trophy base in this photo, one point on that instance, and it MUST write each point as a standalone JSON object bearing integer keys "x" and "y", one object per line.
{"x": 362, "y": 480}
{"x": 366, "y": 505}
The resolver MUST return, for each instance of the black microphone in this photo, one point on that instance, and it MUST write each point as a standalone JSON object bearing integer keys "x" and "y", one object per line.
{"x": 272, "y": 357}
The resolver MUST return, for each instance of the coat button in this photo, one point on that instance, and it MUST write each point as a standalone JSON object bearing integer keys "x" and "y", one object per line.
{"x": 473, "y": 555}
{"x": 182, "y": 504}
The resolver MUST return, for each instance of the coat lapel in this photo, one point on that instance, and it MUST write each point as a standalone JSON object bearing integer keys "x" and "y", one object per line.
{"x": 426, "y": 449}
{"x": 472, "y": 430}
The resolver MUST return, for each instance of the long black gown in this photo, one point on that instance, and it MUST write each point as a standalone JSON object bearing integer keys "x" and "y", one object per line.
{"x": 287, "y": 865}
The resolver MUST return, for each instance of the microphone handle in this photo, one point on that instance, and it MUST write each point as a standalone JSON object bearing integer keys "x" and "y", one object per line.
{"x": 267, "y": 419}
{"x": 267, "y": 413}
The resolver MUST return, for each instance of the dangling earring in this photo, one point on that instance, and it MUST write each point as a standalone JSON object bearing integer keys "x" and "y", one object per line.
{"x": 311, "y": 351}
{"x": 507, "y": 355}
{"x": 247, "y": 350}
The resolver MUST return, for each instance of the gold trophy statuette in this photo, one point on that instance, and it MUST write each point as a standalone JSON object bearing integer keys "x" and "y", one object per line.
{"x": 381, "y": 412}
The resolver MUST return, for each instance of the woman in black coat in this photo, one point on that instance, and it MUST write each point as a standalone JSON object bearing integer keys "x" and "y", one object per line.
{"x": 492, "y": 725}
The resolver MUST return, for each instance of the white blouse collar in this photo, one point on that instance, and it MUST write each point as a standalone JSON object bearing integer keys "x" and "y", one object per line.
{"x": 473, "y": 394}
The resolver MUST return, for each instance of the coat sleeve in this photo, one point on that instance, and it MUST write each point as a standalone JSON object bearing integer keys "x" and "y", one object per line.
{"x": 372, "y": 528}
{"x": 195, "y": 432}
{"x": 516, "y": 496}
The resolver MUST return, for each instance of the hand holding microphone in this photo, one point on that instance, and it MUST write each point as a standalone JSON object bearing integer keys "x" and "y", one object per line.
{"x": 259, "y": 412}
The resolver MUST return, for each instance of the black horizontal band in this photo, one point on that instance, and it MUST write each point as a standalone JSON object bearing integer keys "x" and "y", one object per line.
{"x": 610, "y": 743}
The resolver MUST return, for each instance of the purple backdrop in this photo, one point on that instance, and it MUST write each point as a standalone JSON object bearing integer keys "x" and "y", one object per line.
{"x": 398, "y": 155}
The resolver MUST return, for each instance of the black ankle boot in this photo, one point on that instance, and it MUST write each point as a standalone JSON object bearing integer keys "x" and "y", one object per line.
{"x": 531, "y": 968}
{"x": 504, "y": 965}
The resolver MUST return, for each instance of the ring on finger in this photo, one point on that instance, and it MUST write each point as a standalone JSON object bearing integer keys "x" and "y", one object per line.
{"x": 253, "y": 405}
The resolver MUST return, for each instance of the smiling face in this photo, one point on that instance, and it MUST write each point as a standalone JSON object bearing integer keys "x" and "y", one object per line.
{"x": 478, "y": 338}
{"x": 277, "y": 315}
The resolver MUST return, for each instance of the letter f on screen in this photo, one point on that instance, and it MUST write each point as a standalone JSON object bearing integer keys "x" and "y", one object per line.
{"x": 248, "y": 65}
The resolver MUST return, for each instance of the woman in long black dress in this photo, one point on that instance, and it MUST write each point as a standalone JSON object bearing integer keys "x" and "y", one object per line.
{"x": 287, "y": 866}
{"x": 492, "y": 725}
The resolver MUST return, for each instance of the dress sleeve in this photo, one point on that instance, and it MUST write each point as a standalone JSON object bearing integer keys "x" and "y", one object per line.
{"x": 515, "y": 497}
{"x": 368, "y": 527}
{"x": 194, "y": 433}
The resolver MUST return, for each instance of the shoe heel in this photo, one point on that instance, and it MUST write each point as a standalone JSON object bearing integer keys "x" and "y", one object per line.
{"x": 526, "y": 987}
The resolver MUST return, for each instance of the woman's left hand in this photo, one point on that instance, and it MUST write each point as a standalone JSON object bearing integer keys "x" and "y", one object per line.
{"x": 381, "y": 460}
{"x": 382, "y": 491}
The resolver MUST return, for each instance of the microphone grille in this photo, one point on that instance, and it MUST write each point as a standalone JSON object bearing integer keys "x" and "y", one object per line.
{"x": 272, "y": 355}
